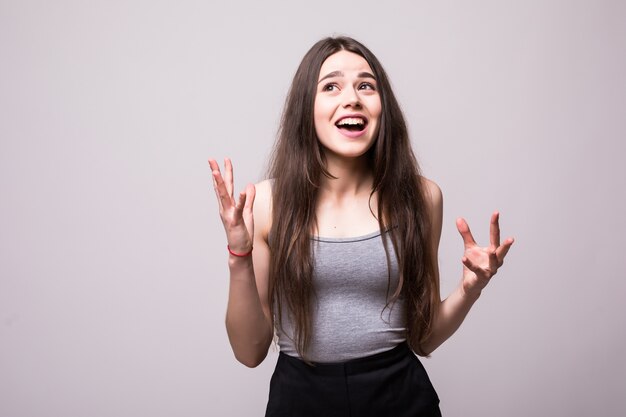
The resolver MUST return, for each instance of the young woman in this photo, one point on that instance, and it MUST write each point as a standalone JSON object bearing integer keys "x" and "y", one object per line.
{"x": 336, "y": 253}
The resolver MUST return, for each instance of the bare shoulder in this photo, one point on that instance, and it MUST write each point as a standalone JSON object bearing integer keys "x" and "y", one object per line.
{"x": 264, "y": 189}
{"x": 432, "y": 193}
{"x": 263, "y": 208}
{"x": 434, "y": 198}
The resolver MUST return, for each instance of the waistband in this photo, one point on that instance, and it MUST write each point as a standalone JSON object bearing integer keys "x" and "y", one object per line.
{"x": 354, "y": 366}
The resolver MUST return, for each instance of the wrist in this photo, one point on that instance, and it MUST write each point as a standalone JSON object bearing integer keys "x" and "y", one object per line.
{"x": 469, "y": 294}
{"x": 238, "y": 262}
{"x": 239, "y": 253}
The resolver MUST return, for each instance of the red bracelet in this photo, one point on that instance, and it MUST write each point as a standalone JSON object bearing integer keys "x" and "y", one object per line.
{"x": 239, "y": 255}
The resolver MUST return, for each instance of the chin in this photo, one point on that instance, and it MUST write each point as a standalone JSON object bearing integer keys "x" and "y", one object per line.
{"x": 347, "y": 153}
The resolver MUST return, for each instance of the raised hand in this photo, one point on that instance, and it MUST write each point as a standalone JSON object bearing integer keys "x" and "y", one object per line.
{"x": 236, "y": 214}
{"x": 481, "y": 263}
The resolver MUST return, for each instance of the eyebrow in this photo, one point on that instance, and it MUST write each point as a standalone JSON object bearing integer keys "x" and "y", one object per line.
{"x": 341, "y": 74}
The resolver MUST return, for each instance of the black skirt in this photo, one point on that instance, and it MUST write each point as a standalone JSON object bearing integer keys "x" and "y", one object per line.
{"x": 392, "y": 383}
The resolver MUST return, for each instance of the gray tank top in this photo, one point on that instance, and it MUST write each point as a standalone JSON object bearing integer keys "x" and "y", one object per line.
{"x": 349, "y": 318}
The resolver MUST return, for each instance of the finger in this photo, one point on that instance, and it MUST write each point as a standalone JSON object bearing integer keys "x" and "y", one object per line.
{"x": 494, "y": 263}
{"x": 228, "y": 176}
{"x": 494, "y": 230}
{"x": 223, "y": 196}
{"x": 217, "y": 194}
{"x": 214, "y": 167}
{"x": 240, "y": 204}
{"x": 504, "y": 249}
{"x": 248, "y": 217}
{"x": 471, "y": 265}
{"x": 251, "y": 194}
{"x": 465, "y": 232}
{"x": 481, "y": 271}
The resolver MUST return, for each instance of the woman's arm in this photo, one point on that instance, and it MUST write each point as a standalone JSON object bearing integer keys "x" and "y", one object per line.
{"x": 479, "y": 265}
{"x": 248, "y": 318}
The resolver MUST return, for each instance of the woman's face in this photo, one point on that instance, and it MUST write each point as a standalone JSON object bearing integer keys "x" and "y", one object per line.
{"x": 347, "y": 105}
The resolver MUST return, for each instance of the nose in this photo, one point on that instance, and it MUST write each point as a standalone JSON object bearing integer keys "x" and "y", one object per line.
{"x": 351, "y": 98}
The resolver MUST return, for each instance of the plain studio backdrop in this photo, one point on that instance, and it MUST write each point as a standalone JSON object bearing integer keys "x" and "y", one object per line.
{"x": 113, "y": 262}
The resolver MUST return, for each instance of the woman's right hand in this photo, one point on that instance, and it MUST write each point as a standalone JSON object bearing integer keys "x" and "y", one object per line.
{"x": 236, "y": 215}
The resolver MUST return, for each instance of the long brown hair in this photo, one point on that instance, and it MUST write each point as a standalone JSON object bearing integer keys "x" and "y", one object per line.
{"x": 296, "y": 167}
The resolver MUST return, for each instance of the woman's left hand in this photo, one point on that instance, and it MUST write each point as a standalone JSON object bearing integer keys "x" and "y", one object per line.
{"x": 481, "y": 263}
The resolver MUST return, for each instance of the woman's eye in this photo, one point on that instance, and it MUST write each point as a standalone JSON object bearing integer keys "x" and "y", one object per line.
{"x": 366, "y": 86}
{"x": 330, "y": 87}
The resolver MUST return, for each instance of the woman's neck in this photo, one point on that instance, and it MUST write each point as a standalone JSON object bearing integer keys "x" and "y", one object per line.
{"x": 353, "y": 177}
{"x": 345, "y": 205}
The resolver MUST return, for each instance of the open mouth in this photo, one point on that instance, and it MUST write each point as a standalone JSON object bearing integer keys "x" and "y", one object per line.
{"x": 352, "y": 124}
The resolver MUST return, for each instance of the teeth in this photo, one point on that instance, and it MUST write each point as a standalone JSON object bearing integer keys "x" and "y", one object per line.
{"x": 351, "y": 121}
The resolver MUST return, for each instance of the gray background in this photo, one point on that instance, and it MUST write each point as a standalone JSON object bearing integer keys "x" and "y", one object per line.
{"x": 113, "y": 273}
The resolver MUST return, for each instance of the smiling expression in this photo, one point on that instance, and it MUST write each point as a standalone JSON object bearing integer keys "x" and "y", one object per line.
{"x": 347, "y": 106}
